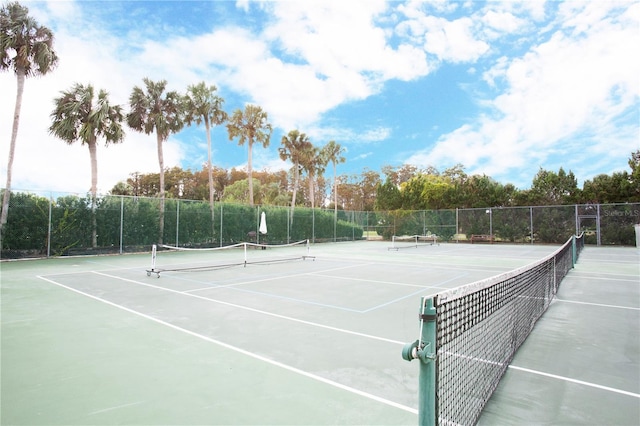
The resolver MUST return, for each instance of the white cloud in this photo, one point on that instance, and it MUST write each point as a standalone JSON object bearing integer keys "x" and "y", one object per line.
{"x": 453, "y": 40}
{"x": 321, "y": 135}
{"x": 362, "y": 156}
{"x": 45, "y": 162}
{"x": 449, "y": 40}
{"x": 416, "y": 8}
{"x": 527, "y": 9}
{"x": 562, "y": 97}
{"x": 61, "y": 9}
{"x": 243, "y": 4}
{"x": 503, "y": 22}
{"x": 344, "y": 47}
{"x": 376, "y": 135}
{"x": 333, "y": 53}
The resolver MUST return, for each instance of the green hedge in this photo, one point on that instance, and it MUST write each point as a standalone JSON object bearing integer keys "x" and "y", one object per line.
{"x": 43, "y": 225}
{"x": 39, "y": 225}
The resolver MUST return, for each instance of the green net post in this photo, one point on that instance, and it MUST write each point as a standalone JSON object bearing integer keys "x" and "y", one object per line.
{"x": 424, "y": 350}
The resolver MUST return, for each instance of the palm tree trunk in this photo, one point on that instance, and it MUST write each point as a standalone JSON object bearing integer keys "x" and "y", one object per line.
{"x": 210, "y": 169}
{"x": 12, "y": 147}
{"x": 94, "y": 191}
{"x": 250, "y": 169}
{"x": 161, "y": 164}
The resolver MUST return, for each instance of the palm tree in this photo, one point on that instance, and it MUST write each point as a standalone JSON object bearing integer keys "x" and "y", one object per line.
{"x": 154, "y": 110}
{"x": 250, "y": 126}
{"x": 293, "y": 146}
{"x": 203, "y": 105}
{"x": 332, "y": 152}
{"x": 77, "y": 117}
{"x": 313, "y": 163}
{"x": 27, "y": 49}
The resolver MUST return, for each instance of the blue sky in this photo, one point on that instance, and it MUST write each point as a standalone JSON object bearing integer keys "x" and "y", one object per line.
{"x": 503, "y": 88}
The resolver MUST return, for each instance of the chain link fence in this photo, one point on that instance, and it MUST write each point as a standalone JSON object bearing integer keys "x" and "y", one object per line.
{"x": 603, "y": 224}
{"x": 52, "y": 224}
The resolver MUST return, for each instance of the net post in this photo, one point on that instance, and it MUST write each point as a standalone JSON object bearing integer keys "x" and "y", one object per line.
{"x": 574, "y": 252}
{"x": 154, "y": 250}
{"x": 245, "y": 254}
{"x": 424, "y": 349}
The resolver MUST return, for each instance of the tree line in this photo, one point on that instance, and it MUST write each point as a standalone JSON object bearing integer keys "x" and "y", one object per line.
{"x": 400, "y": 188}
{"x": 410, "y": 188}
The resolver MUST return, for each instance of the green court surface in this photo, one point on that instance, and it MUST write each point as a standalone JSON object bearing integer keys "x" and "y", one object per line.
{"x": 99, "y": 341}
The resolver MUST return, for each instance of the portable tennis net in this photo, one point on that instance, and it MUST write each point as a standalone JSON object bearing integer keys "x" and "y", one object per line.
{"x": 412, "y": 241}
{"x": 187, "y": 259}
{"x": 470, "y": 334}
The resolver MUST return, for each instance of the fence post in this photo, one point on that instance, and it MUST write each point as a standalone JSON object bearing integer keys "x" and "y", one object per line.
{"x": 457, "y": 227}
{"x": 531, "y": 222}
{"x": 121, "y": 221}
{"x": 598, "y": 225}
{"x": 335, "y": 222}
{"x": 289, "y": 223}
{"x": 221, "y": 215}
{"x": 424, "y": 222}
{"x": 177, "y": 221}
{"x": 353, "y": 228}
{"x": 49, "y": 225}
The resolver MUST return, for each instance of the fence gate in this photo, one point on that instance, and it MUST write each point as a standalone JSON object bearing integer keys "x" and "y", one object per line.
{"x": 588, "y": 213}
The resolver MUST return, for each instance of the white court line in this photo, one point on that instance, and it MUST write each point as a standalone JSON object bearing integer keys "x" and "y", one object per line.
{"x": 117, "y": 407}
{"x": 322, "y": 275}
{"x": 437, "y": 286}
{"x": 272, "y": 278}
{"x": 579, "y": 382}
{"x": 493, "y": 270}
{"x": 412, "y": 294}
{"x": 540, "y": 373}
{"x": 313, "y": 324}
{"x": 597, "y": 304}
{"x": 579, "y": 276}
{"x": 239, "y": 350}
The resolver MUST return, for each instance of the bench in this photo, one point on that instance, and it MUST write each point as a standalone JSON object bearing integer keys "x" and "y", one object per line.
{"x": 482, "y": 238}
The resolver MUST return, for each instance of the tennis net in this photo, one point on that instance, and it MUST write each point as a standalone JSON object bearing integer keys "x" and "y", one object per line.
{"x": 186, "y": 259}
{"x": 470, "y": 334}
{"x": 412, "y": 241}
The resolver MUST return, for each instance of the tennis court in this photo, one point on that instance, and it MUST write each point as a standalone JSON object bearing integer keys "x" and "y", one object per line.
{"x": 316, "y": 339}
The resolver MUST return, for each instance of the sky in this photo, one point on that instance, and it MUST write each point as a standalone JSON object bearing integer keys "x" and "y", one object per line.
{"x": 503, "y": 88}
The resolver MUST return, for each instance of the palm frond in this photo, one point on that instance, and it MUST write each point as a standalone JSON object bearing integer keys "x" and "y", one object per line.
{"x": 25, "y": 45}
